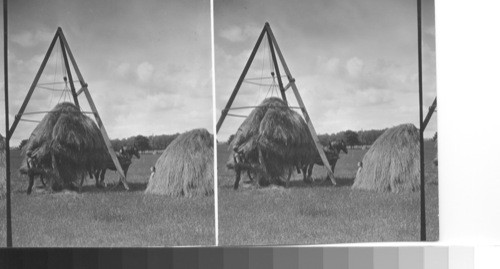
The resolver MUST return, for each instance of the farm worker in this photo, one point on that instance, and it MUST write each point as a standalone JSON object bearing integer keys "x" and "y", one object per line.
{"x": 360, "y": 166}
{"x": 153, "y": 171}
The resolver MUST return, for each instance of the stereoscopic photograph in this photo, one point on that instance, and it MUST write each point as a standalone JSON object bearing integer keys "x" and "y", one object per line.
{"x": 324, "y": 133}
{"x": 110, "y": 124}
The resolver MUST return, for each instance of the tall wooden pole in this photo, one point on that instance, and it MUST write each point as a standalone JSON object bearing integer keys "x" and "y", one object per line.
{"x": 7, "y": 136}
{"x": 33, "y": 86}
{"x": 291, "y": 80}
{"x": 423, "y": 236}
{"x": 240, "y": 81}
{"x": 276, "y": 68}
{"x": 68, "y": 71}
{"x": 84, "y": 85}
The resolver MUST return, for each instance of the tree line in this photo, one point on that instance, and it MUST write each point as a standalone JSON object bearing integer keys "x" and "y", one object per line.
{"x": 153, "y": 142}
{"x": 160, "y": 142}
{"x": 351, "y": 138}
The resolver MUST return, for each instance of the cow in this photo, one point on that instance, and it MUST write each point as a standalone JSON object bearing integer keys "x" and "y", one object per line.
{"x": 332, "y": 152}
{"x": 124, "y": 155}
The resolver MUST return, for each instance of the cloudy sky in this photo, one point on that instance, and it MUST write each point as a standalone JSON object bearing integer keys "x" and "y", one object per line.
{"x": 354, "y": 61}
{"x": 147, "y": 63}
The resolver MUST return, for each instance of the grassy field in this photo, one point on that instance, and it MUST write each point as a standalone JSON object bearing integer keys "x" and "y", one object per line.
{"x": 320, "y": 213}
{"x": 111, "y": 217}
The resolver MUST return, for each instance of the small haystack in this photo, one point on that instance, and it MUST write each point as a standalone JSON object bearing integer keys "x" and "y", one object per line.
{"x": 392, "y": 164}
{"x": 2, "y": 167}
{"x": 280, "y": 133}
{"x": 186, "y": 166}
{"x": 72, "y": 137}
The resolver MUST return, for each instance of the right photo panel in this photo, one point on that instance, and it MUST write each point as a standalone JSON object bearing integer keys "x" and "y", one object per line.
{"x": 320, "y": 135}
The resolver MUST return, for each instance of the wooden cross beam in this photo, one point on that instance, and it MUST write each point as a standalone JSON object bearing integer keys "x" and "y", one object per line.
{"x": 431, "y": 111}
{"x": 66, "y": 51}
{"x": 274, "y": 48}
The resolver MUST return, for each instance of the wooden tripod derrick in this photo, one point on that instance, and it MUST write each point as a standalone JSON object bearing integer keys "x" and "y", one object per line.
{"x": 276, "y": 55}
{"x": 70, "y": 59}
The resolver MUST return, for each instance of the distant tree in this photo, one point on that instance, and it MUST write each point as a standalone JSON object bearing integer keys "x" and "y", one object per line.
{"x": 23, "y": 143}
{"x": 435, "y": 137}
{"x": 324, "y": 139}
{"x": 367, "y": 137}
{"x": 142, "y": 143}
{"x": 230, "y": 139}
{"x": 351, "y": 138}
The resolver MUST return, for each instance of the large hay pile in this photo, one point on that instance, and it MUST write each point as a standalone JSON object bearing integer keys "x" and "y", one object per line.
{"x": 280, "y": 133}
{"x": 73, "y": 138}
{"x": 186, "y": 166}
{"x": 2, "y": 167}
{"x": 392, "y": 164}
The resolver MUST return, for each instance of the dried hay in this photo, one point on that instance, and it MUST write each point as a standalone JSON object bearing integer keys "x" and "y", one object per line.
{"x": 250, "y": 126}
{"x": 280, "y": 133}
{"x": 392, "y": 164}
{"x": 186, "y": 166}
{"x": 72, "y": 138}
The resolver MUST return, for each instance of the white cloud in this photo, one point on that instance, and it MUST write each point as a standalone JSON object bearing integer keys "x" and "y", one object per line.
{"x": 29, "y": 39}
{"x": 332, "y": 65}
{"x": 145, "y": 71}
{"x": 233, "y": 34}
{"x": 373, "y": 97}
{"x": 354, "y": 67}
{"x": 238, "y": 34}
{"x": 123, "y": 69}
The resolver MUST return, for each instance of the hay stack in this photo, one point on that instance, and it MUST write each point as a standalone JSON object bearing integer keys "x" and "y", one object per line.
{"x": 186, "y": 166}
{"x": 392, "y": 164}
{"x": 74, "y": 140}
{"x": 2, "y": 167}
{"x": 280, "y": 133}
{"x": 250, "y": 126}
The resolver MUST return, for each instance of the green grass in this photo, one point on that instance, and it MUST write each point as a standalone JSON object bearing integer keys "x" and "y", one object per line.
{"x": 111, "y": 217}
{"x": 319, "y": 213}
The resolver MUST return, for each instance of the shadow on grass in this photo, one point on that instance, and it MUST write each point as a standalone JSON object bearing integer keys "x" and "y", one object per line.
{"x": 317, "y": 183}
{"x": 117, "y": 187}
{"x": 320, "y": 183}
{"x": 133, "y": 187}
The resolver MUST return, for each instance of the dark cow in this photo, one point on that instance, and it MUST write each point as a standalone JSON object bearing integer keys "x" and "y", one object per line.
{"x": 124, "y": 156}
{"x": 332, "y": 152}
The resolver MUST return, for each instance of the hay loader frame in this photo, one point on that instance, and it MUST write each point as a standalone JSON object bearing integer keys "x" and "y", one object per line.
{"x": 66, "y": 53}
{"x": 275, "y": 49}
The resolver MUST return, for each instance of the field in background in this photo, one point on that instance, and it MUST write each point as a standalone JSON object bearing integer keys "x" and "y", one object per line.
{"x": 319, "y": 213}
{"x": 111, "y": 217}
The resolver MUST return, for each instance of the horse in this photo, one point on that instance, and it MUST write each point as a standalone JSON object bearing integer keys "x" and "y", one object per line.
{"x": 332, "y": 152}
{"x": 124, "y": 155}
{"x": 242, "y": 162}
{"x": 34, "y": 168}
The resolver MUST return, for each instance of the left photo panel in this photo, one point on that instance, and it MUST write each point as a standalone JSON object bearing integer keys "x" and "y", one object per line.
{"x": 110, "y": 125}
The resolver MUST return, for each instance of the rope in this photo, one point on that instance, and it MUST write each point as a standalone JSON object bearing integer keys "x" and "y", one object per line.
{"x": 262, "y": 78}
{"x": 35, "y": 121}
{"x": 51, "y": 83}
{"x": 249, "y": 107}
{"x": 50, "y": 89}
{"x": 235, "y": 115}
{"x": 258, "y": 84}
{"x": 45, "y": 112}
